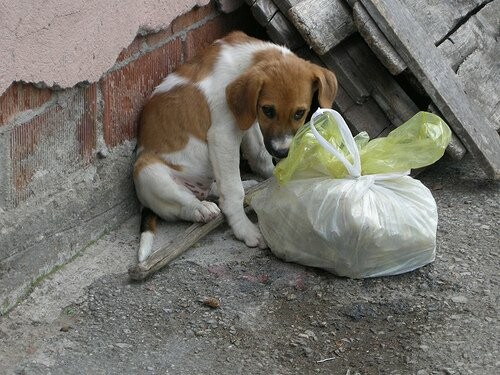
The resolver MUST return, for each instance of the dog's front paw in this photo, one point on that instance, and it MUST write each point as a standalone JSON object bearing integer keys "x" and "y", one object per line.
{"x": 206, "y": 211}
{"x": 250, "y": 234}
{"x": 247, "y": 184}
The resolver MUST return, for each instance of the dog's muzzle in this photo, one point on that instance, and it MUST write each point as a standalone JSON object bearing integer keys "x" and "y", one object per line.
{"x": 278, "y": 146}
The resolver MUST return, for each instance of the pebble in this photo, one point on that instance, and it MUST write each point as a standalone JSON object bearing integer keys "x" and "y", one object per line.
{"x": 123, "y": 345}
{"x": 459, "y": 299}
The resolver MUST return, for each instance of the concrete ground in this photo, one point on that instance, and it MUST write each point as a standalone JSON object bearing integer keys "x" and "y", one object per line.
{"x": 274, "y": 317}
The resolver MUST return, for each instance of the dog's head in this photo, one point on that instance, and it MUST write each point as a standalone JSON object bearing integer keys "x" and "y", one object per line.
{"x": 277, "y": 92}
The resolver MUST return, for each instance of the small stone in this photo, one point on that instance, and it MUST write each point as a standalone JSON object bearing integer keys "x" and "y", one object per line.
{"x": 123, "y": 345}
{"x": 459, "y": 299}
{"x": 307, "y": 351}
{"x": 211, "y": 302}
{"x": 65, "y": 328}
{"x": 149, "y": 368}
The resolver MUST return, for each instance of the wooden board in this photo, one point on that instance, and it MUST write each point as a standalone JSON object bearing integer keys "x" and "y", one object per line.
{"x": 439, "y": 17}
{"x": 282, "y": 32}
{"x": 322, "y": 23}
{"x": 263, "y": 11}
{"x": 440, "y": 82}
{"x": 285, "y": 5}
{"x": 339, "y": 61}
{"x": 228, "y": 6}
{"x": 473, "y": 51}
{"x": 377, "y": 41}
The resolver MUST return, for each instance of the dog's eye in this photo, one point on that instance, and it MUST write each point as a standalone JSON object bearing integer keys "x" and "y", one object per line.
{"x": 269, "y": 111}
{"x": 299, "y": 114}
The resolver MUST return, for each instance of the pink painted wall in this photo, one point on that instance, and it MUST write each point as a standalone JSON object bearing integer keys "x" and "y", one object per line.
{"x": 63, "y": 42}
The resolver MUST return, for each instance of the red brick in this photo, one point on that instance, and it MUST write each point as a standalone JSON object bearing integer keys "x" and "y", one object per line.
{"x": 57, "y": 141}
{"x": 125, "y": 90}
{"x": 86, "y": 126}
{"x": 20, "y": 97}
{"x": 133, "y": 48}
{"x": 153, "y": 40}
{"x": 194, "y": 15}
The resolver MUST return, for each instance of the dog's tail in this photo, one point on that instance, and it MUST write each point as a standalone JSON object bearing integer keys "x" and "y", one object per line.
{"x": 148, "y": 229}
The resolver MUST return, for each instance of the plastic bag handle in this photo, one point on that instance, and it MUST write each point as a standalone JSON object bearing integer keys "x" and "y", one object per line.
{"x": 353, "y": 169}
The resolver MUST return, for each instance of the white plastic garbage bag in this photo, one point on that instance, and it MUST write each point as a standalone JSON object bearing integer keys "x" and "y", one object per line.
{"x": 357, "y": 226}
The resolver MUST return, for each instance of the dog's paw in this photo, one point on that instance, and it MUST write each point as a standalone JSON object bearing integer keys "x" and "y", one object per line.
{"x": 248, "y": 184}
{"x": 250, "y": 234}
{"x": 205, "y": 212}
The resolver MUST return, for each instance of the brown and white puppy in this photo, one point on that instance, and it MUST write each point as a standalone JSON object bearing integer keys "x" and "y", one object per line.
{"x": 239, "y": 92}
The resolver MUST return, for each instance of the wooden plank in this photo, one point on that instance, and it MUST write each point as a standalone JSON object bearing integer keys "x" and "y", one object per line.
{"x": 285, "y": 5}
{"x": 474, "y": 54}
{"x": 228, "y": 6}
{"x": 439, "y": 81}
{"x": 339, "y": 61}
{"x": 263, "y": 11}
{"x": 282, "y": 32}
{"x": 439, "y": 17}
{"x": 322, "y": 23}
{"x": 389, "y": 95}
{"x": 377, "y": 41}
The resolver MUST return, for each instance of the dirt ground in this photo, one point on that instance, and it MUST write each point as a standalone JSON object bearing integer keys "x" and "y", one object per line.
{"x": 274, "y": 317}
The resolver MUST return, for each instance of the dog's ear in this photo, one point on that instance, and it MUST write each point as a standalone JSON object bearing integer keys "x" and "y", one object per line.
{"x": 325, "y": 82}
{"x": 242, "y": 95}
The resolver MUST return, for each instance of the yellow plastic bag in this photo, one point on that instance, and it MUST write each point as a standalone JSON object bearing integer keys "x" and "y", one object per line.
{"x": 417, "y": 143}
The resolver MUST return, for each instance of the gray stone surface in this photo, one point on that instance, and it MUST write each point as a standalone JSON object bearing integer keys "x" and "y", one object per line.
{"x": 274, "y": 317}
{"x": 53, "y": 226}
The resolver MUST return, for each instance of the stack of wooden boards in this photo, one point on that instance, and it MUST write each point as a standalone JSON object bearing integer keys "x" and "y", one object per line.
{"x": 396, "y": 57}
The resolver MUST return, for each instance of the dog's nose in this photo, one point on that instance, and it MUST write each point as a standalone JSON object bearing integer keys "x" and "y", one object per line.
{"x": 280, "y": 153}
{"x": 278, "y": 146}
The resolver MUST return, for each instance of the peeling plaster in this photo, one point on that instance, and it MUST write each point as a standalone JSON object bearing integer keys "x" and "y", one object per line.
{"x": 63, "y": 42}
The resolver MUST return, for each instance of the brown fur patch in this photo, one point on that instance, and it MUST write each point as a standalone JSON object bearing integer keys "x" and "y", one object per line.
{"x": 148, "y": 220}
{"x": 201, "y": 65}
{"x": 148, "y": 158}
{"x": 169, "y": 118}
{"x": 239, "y": 37}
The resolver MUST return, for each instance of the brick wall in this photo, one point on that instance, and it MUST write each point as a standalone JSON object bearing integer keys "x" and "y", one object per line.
{"x": 66, "y": 155}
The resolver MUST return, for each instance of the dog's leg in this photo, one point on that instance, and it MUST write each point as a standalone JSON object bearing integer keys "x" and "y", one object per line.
{"x": 157, "y": 190}
{"x": 255, "y": 152}
{"x": 224, "y": 151}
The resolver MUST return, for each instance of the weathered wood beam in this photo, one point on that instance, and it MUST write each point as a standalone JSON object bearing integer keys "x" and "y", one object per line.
{"x": 377, "y": 41}
{"x": 228, "y": 6}
{"x": 339, "y": 61}
{"x": 279, "y": 29}
{"x": 263, "y": 11}
{"x": 439, "y": 81}
{"x": 285, "y": 5}
{"x": 322, "y": 23}
{"x": 282, "y": 32}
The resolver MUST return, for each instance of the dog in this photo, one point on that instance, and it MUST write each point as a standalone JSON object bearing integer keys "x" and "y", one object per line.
{"x": 239, "y": 93}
